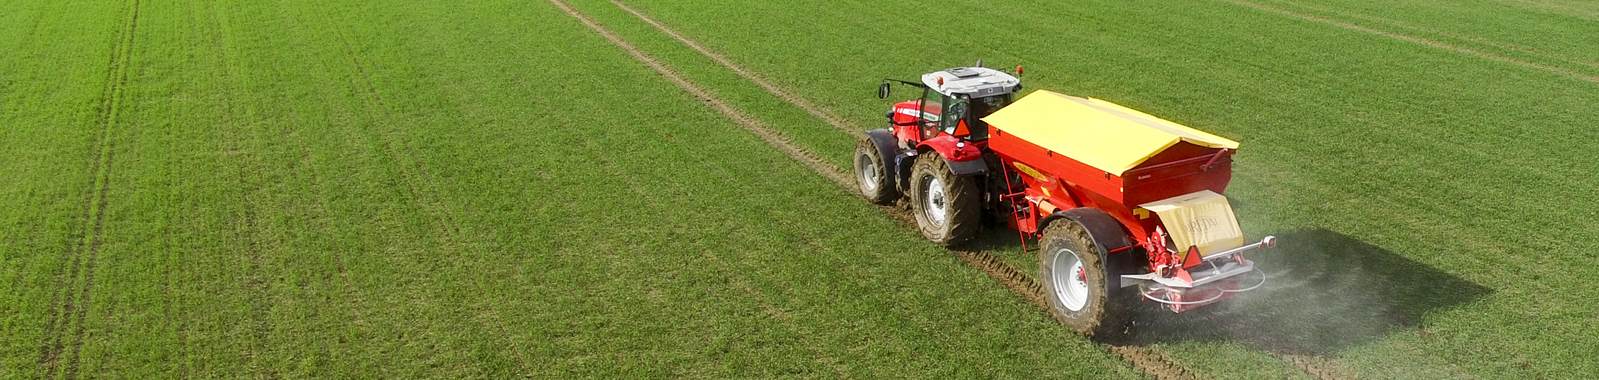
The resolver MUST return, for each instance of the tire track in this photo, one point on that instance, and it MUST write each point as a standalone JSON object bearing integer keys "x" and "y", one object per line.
{"x": 414, "y": 174}
{"x": 1403, "y": 25}
{"x": 753, "y": 126}
{"x": 243, "y": 144}
{"x": 69, "y": 310}
{"x": 743, "y": 285}
{"x": 803, "y": 104}
{"x": 356, "y": 297}
{"x": 745, "y": 121}
{"x": 246, "y": 229}
{"x": 1141, "y": 358}
{"x": 175, "y": 289}
{"x": 171, "y": 309}
{"x": 772, "y": 310}
{"x": 1148, "y": 360}
{"x": 1320, "y": 367}
{"x": 1423, "y": 41}
{"x": 1590, "y": 14}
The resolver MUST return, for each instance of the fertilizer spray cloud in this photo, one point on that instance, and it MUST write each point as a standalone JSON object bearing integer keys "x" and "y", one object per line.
{"x": 1326, "y": 293}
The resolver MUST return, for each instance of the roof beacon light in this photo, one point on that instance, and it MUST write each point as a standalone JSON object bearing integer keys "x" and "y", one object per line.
{"x": 940, "y": 81}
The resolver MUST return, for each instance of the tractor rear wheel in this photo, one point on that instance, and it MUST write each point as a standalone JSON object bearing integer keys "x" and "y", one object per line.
{"x": 946, "y": 206}
{"x": 871, "y": 174}
{"x": 1076, "y": 283}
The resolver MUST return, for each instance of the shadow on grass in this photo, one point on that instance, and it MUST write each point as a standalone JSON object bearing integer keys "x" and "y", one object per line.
{"x": 1326, "y": 292}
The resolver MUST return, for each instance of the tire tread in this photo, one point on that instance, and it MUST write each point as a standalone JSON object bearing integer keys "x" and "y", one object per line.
{"x": 1107, "y": 312}
{"x": 964, "y": 199}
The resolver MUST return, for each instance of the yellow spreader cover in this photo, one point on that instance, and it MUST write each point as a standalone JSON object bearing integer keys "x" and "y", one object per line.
{"x": 1202, "y": 219}
{"x": 1101, "y": 134}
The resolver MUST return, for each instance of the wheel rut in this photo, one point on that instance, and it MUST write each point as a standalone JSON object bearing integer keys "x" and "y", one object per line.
{"x": 357, "y": 298}
{"x": 1141, "y": 358}
{"x": 256, "y": 255}
{"x": 741, "y": 284}
{"x": 60, "y": 352}
{"x": 415, "y": 175}
{"x": 1588, "y": 65}
{"x": 743, "y": 120}
{"x": 812, "y": 108}
{"x": 172, "y": 310}
{"x": 1419, "y": 40}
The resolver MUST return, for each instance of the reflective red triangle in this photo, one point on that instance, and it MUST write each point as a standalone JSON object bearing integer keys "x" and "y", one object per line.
{"x": 1182, "y": 274}
{"x": 1192, "y": 258}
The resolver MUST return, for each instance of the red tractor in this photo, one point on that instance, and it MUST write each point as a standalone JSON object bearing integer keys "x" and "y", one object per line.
{"x": 1125, "y": 205}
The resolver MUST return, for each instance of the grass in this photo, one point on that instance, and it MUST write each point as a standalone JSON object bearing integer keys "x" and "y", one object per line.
{"x": 351, "y": 190}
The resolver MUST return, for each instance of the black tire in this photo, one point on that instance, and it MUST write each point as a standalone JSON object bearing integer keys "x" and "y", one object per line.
{"x": 1105, "y": 310}
{"x": 871, "y": 174}
{"x": 947, "y": 207}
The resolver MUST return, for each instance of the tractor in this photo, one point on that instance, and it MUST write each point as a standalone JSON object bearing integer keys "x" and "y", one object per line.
{"x": 1124, "y": 206}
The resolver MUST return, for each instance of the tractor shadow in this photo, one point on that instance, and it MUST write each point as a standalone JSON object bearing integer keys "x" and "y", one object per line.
{"x": 1326, "y": 292}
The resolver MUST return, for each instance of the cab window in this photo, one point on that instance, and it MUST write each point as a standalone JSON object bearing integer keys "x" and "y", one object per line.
{"x": 954, "y": 112}
{"x": 932, "y": 110}
{"x": 932, "y": 107}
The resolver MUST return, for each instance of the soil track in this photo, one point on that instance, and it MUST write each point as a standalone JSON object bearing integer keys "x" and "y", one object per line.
{"x": 82, "y": 251}
{"x": 809, "y": 107}
{"x": 1404, "y": 25}
{"x": 253, "y": 256}
{"x": 1317, "y": 366}
{"x": 773, "y": 311}
{"x": 1419, "y": 40}
{"x": 415, "y": 175}
{"x": 748, "y": 123}
{"x": 1144, "y": 359}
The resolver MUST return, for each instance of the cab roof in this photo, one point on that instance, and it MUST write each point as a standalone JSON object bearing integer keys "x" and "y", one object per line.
{"x": 973, "y": 82}
{"x": 1096, "y": 132}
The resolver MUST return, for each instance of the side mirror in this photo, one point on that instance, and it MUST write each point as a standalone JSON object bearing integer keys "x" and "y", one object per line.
{"x": 883, "y": 90}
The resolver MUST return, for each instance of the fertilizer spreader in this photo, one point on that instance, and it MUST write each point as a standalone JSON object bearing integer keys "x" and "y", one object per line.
{"x": 1124, "y": 205}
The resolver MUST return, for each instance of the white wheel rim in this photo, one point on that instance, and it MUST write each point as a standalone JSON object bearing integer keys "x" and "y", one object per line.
{"x": 1071, "y": 285}
{"x": 868, "y": 172}
{"x": 934, "y": 203}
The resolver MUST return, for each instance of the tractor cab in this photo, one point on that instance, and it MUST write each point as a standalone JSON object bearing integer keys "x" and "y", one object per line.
{"x": 953, "y": 103}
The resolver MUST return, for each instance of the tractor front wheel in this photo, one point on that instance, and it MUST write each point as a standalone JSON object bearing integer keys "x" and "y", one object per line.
{"x": 946, "y": 206}
{"x": 1076, "y": 283}
{"x": 871, "y": 174}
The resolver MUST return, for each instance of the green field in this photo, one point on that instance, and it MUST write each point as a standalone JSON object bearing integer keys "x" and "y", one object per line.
{"x": 493, "y": 189}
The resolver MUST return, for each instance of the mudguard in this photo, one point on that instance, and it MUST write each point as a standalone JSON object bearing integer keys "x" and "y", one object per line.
{"x": 963, "y": 159}
{"x": 965, "y": 168}
{"x": 1108, "y": 236}
{"x": 888, "y": 149}
{"x": 902, "y": 169}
